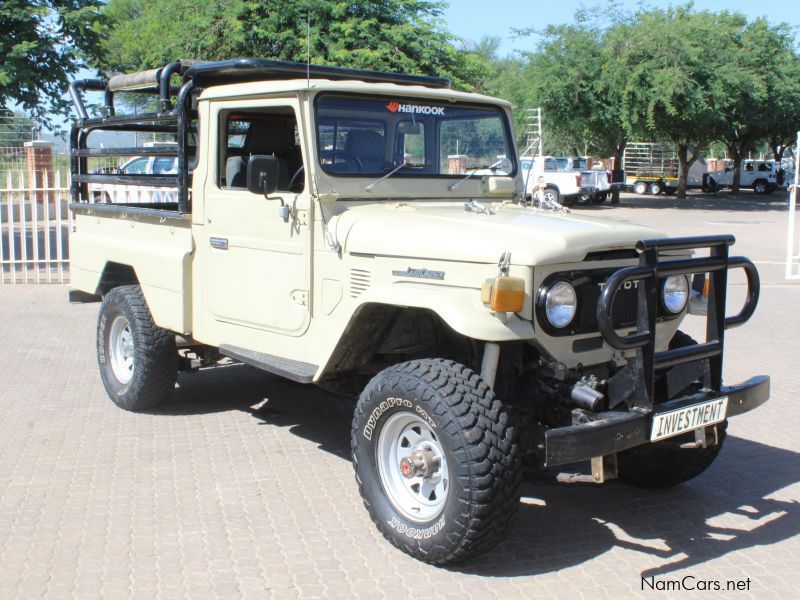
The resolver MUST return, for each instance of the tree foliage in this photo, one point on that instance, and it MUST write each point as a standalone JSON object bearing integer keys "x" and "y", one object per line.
{"x": 675, "y": 75}
{"x": 392, "y": 35}
{"x": 36, "y": 53}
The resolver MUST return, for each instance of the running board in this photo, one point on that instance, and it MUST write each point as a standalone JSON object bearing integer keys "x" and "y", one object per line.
{"x": 290, "y": 369}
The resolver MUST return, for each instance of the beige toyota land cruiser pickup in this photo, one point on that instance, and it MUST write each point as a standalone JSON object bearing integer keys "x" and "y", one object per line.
{"x": 368, "y": 233}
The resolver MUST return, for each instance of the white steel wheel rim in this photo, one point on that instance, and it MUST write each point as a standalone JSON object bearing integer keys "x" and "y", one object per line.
{"x": 640, "y": 188}
{"x": 549, "y": 196}
{"x": 422, "y": 497}
{"x": 120, "y": 348}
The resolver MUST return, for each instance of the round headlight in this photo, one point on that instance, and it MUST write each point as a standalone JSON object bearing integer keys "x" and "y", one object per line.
{"x": 560, "y": 304}
{"x": 675, "y": 293}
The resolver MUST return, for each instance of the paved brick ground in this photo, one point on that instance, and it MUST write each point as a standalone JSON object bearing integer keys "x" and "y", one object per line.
{"x": 242, "y": 486}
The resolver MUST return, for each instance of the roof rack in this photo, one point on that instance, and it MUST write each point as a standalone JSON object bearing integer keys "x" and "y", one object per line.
{"x": 239, "y": 70}
{"x": 175, "y": 117}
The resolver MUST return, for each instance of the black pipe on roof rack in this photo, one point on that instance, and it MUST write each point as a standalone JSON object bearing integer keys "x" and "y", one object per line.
{"x": 163, "y": 84}
{"x": 241, "y": 70}
{"x": 75, "y": 88}
{"x": 183, "y": 108}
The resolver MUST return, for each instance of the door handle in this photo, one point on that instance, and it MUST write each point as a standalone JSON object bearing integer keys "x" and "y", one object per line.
{"x": 218, "y": 243}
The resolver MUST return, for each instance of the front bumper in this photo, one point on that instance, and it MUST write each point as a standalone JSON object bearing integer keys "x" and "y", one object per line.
{"x": 634, "y": 385}
{"x": 616, "y": 431}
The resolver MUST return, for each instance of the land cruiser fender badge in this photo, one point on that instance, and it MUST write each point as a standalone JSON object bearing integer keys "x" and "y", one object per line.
{"x": 419, "y": 273}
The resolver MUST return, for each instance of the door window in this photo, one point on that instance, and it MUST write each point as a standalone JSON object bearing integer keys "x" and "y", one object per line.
{"x": 270, "y": 132}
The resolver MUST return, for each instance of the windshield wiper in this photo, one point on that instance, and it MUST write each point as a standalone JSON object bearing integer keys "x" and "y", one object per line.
{"x": 377, "y": 182}
{"x": 472, "y": 172}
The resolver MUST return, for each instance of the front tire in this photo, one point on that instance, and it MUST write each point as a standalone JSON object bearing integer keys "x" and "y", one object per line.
{"x": 436, "y": 459}
{"x": 640, "y": 188}
{"x": 663, "y": 465}
{"x": 551, "y": 195}
{"x": 138, "y": 360}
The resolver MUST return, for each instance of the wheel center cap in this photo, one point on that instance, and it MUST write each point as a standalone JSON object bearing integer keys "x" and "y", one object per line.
{"x": 420, "y": 462}
{"x": 407, "y": 468}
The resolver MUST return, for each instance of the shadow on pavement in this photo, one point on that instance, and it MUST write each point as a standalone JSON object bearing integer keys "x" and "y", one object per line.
{"x": 745, "y": 201}
{"x": 560, "y": 525}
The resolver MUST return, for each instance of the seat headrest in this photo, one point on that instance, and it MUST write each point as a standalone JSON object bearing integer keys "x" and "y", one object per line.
{"x": 366, "y": 143}
{"x": 269, "y": 137}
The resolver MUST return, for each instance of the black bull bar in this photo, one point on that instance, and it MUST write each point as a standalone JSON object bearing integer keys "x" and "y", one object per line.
{"x": 614, "y": 431}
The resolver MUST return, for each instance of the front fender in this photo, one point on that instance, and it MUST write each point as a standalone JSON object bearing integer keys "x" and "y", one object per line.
{"x": 459, "y": 307}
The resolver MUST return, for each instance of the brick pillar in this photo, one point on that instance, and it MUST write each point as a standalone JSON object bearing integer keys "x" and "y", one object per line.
{"x": 38, "y": 160}
{"x": 456, "y": 164}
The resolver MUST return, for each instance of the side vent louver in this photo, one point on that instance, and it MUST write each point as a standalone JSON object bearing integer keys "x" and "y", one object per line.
{"x": 360, "y": 280}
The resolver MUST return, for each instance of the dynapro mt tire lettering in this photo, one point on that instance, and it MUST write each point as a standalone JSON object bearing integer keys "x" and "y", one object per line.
{"x": 138, "y": 360}
{"x": 452, "y": 408}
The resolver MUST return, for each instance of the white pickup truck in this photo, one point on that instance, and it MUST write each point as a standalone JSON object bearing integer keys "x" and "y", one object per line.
{"x": 557, "y": 180}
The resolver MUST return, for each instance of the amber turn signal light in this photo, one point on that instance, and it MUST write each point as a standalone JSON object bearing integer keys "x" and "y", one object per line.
{"x": 504, "y": 294}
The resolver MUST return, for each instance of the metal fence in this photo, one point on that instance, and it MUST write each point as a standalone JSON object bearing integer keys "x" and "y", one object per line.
{"x": 34, "y": 226}
{"x": 792, "y": 243}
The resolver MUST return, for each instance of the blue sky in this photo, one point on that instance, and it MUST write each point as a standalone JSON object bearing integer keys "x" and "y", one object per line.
{"x": 470, "y": 19}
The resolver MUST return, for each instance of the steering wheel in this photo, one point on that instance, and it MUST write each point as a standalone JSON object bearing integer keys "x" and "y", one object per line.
{"x": 294, "y": 178}
{"x": 348, "y": 157}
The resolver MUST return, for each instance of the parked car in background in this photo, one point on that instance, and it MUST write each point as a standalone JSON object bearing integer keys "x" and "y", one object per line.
{"x": 139, "y": 165}
{"x": 559, "y": 181}
{"x": 759, "y": 175}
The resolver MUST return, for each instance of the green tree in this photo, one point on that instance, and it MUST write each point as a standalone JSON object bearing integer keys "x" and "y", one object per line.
{"x": 780, "y": 114}
{"x": 393, "y": 35}
{"x": 572, "y": 77}
{"x": 670, "y": 62}
{"x": 36, "y": 50}
{"x": 756, "y": 87}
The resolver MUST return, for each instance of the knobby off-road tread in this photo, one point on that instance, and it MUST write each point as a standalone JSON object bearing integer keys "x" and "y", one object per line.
{"x": 656, "y": 467}
{"x": 156, "y": 356}
{"x": 467, "y": 409}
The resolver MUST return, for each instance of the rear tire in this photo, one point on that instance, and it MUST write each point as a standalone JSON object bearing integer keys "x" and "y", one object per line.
{"x": 600, "y": 198}
{"x": 437, "y": 460}
{"x": 655, "y": 189}
{"x": 760, "y": 187}
{"x": 138, "y": 360}
{"x": 640, "y": 187}
{"x": 662, "y": 465}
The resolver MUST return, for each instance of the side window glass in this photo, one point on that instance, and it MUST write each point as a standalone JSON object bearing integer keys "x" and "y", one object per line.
{"x": 261, "y": 132}
{"x": 766, "y": 167}
{"x": 136, "y": 167}
{"x": 749, "y": 167}
{"x": 165, "y": 166}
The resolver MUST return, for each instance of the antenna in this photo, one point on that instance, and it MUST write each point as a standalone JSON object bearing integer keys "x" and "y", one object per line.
{"x": 308, "y": 50}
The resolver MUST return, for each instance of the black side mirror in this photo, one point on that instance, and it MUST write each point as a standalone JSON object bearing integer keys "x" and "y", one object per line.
{"x": 262, "y": 174}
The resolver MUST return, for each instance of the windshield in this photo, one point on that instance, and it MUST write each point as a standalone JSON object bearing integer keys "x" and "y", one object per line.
{"x": 373, "y": 135}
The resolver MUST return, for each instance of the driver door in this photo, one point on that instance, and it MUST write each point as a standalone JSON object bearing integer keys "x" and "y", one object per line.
{"x": 257, "y": 265}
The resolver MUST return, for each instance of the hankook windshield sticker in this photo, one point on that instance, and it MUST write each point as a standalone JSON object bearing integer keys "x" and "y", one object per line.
{"x": 417, "y": 109}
